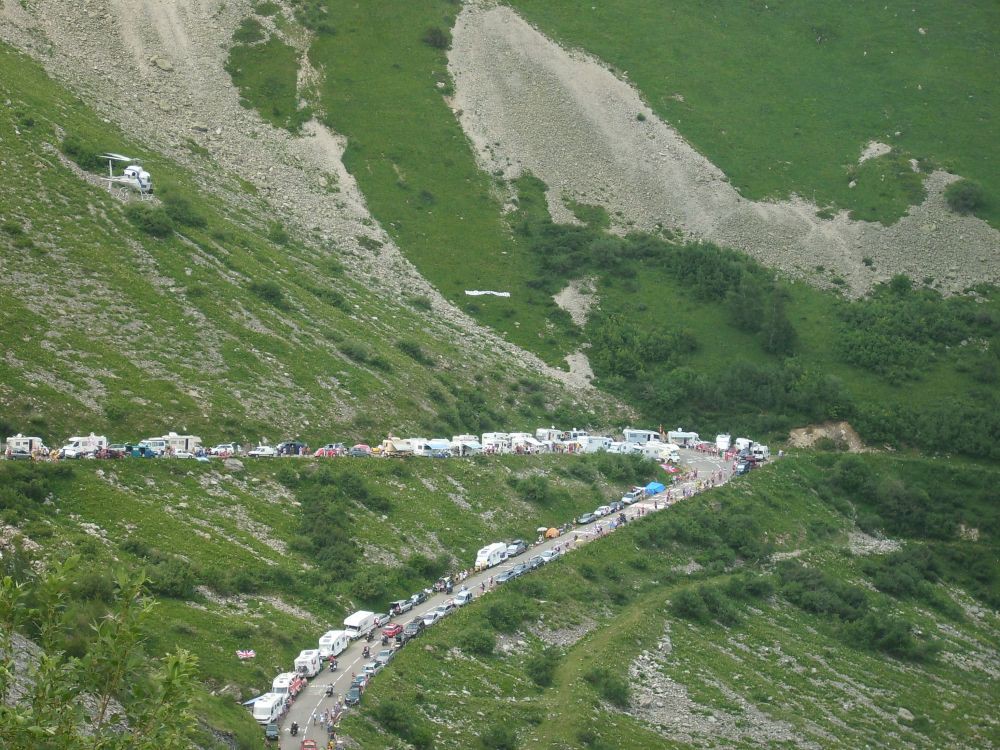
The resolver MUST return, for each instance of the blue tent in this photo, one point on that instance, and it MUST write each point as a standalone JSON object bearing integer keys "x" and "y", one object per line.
{"x": 654, "y": 488}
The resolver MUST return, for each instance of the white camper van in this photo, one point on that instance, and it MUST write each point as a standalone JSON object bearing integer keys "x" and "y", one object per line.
{"x": 267, "y": 708}
{"x": 307, "y": 663}
{"x": 359, "y": 624}
{"x": 639, "y": 436}
{"x": 658, "y": 451}
{"x": 333, "y": 643}
{"x": 723, "y": 442}
{"x": 595, "y": 443}
{"x": 21, "y": 444}
{"x": 83, "y": 446}
{"x": 743, "y": 443}
{"x": 172, "y": 443}
{"x": 496, "y": 442}
{"x": 760, "y": 452}
{"x": 490, "y": 555}
{"x": 286, "y": 683}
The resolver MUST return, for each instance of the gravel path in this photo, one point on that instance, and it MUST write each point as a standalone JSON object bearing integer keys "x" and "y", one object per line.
{"x": 529, "y": 105}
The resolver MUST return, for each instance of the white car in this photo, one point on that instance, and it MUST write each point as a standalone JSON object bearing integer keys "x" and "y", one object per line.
{"x": 263, "y": 451}
{"x": 602, "y": 511}
{"x": 549, "y": 555}
{"x": 381, "y": 620}
{"x": 225, "y": 449}
{"x": 463, "y": 597}
{"x": 431, "y": 617}
{"x": 183, "y": 454}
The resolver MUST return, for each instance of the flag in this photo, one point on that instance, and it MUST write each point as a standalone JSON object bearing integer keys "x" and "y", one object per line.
{"x": 247, "y": 654}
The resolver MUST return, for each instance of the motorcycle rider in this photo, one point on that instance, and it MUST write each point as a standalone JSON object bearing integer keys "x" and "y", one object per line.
{"x": 294, "y": 729}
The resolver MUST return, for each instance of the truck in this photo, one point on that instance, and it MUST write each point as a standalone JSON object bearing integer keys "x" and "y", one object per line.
{"x": 333, "y": 643}
{"x": 267, "y": 708}
{"x": 490, "y": 555}
{"x": 77, "y": 447}
{"x": 359, "y": 624}
{"x": 307, "y": 663}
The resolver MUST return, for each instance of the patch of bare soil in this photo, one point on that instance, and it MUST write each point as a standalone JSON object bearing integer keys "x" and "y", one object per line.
{"x": 529, "y": 105}
{"x": 840, "y": 432}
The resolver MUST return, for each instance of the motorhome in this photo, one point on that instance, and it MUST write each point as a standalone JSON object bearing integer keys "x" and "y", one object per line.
{"x": 490, "y": 555}
{"x": 496, "y": 442}
{"x": 595, "y": 444}
{"x": 267, "y": 708}
{"x": 639, "y": 436}
{"x": 307, "y": 663}
{"x": 21, "y": 444}
{"x": 83, "y": 446}
{"x": 288, "y": 684}
{"x": 683, "y": 438}
{"x": 723, "y": 442}
{"x": 393, "y": 446}
{"x": 466, "y": 445}
{"x": 333, "y": 643}
{"x": 742, "y": 444}
{"x": 548, "y": 435}
{"x": 657, "y": 451}
{"x": 359, "y": 624}
{"x": 760, "y": 452}
{"x": 172, "y": 443}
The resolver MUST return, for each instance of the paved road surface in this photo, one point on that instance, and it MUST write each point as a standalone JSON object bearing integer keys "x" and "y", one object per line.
{"x": 312, "y": 701}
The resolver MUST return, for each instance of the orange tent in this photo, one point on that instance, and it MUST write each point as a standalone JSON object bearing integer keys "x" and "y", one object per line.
{"x": 552, "y": 533}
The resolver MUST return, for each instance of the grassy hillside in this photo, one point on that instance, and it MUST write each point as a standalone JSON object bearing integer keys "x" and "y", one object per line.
{"x": 783, "y": 97}
{"x": 189, "y": 314}
{"x": 271, "y": 556}
{"x": 751, "y": 615}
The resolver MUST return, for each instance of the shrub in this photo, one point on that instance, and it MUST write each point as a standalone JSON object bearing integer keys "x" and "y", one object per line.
{"x": 498, "y": 737}
{"x": 173, "y": 577}
{"x": 965, "y": 196}
{"x": 542, "y": 667}
{"x": 270, "y": 292}
{"x": 610, "y": 685}
{"x": 153, "y": 220}
{"x": 180, "y": 208}
{"x": 505, "y": 614}
{"x": 414, "y": 351}
{"x": 421, "y": 302}
{"x": 266, "y": 8}
{"x": 437, "y": 38}
{"x": 278, "y": 234}
{"x": 401, "y": 721}
{"x": 249, "y": 31}
{"x": 477, "y": 640}
{"x": 85, "y": 153}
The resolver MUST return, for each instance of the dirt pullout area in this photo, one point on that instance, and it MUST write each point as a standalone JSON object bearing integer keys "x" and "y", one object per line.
{"x": 529, "y": 105}
{"x": 839, "y": 432}
{"x": 156, "y": 69}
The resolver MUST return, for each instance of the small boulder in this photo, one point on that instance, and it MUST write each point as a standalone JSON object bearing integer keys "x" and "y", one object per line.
{"x": 905, "y": 715}
{"x": 233, "y": 464}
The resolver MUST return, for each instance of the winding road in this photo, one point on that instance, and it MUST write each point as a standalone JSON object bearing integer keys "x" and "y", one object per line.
{"x": 313, "y": 701}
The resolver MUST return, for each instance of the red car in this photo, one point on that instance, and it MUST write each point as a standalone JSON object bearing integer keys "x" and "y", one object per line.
{"x": 308, "y": 745}
{"x": 392, "y": 630}
{"x": 329, "y": 450}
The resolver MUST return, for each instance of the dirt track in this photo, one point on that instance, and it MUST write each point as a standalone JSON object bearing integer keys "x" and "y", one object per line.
{"x": 529, "y": 105}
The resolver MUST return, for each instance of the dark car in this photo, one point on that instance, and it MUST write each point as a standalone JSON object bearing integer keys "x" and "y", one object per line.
{"x": 616, "y": 506}
{"x": 507, "y": 575}
{"x": 419, "y": 598}
{"x": 19, "y": 456}
{"x": 360, "y": 682}
{"x": 353, "y": 697}
{"x": 516, "y": 548}
{"x": 535, "y": 562}
{"x": 292, "y": 448}
{"x": 520, "y": 569}
{"x": 414, "y": 628}
{"x": 586, "y": 518}
{"x": 743, "y": 468}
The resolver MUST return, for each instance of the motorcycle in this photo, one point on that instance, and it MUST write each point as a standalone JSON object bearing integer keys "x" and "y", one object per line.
{"x": 385, "y": 640}
{"x": 370, "y": 636}
{"x": 333, "y": 665}
{"x": 367, "y": 652}
{"x": 294, "y": 729}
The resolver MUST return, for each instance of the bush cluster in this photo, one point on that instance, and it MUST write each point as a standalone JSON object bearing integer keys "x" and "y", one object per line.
{"x": 153, "y": 220}
{"x": 610, "y": 685}
{"x": 400, "y": 719}
{"x": 269, "y": 291}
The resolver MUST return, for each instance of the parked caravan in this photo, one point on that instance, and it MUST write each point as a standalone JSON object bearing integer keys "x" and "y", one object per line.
{"x": 760, "y": 452}
{"x": 466, "y": 445}
{"x": 640, "y": 436}
{"x": 288, "y": 684}
{"x": 333, "y": 643}
{"x": 490, "y": 555}
{"x": 359, "y": 624}
{"x": 83, "y": 446}
{"x": 683, "y": 438}
{"x": 496, "y": 442}
{"x": 723, "y": 442}
{"x": 267, "y": 708}
{"x": 307, "y": 663}
{"x": 595, "y": 444}
{"x": 657, "y": 451}
{"x": 394, "y": 446}
{"x": 548, "y": 435}
{"x": 21, "y": 444}
{"x": 742, "y": 444}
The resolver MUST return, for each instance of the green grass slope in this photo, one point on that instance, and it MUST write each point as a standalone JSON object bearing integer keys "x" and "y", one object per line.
{"x": 784, "y": 96}
{"x": 748, "y": 616}
{"x": 271, "y": 556}
{"x": 190, "y": 314}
